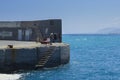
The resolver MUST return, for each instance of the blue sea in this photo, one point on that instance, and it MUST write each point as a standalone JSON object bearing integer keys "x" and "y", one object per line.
{"x": 92, "y": 57}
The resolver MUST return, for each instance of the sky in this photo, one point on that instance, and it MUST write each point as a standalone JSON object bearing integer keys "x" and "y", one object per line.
{"x": 78, "y": 16}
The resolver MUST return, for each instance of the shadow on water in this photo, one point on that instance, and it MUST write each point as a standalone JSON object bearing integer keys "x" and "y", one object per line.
{"x": 41, "y": 73}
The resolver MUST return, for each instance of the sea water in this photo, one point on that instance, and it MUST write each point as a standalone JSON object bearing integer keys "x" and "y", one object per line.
{"x": 92, "y": 57}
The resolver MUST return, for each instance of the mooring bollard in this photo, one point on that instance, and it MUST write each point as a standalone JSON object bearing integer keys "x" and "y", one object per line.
{"x": 10, "y": 46}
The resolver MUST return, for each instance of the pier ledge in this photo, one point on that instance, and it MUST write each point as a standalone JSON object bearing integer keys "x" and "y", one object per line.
{"x": 17, "y": 55}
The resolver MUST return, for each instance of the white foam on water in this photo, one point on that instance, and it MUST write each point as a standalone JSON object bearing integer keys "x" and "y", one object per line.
{"x": 10, "y": 76}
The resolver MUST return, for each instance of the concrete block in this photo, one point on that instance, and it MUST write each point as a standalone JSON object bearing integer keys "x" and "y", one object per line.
{"x": 65, "y": 54}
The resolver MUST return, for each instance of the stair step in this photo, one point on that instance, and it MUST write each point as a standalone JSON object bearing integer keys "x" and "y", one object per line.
{"x": 39, "y": 65}
{"x": 42, "y": 62}
{"x": 45, "y": 57}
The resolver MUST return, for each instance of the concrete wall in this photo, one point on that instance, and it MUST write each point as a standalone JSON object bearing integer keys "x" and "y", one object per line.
{"x": 54, "y": 60}
{"x": 10, "y": 24}
{"x": 2, "y": 58}
{"x": 28, "y": 58}
{"x": 8, "y": 34}
{"x": 38, "y": 29}
{"x": 65, "y": 54}
{"x": 20, "y": 56}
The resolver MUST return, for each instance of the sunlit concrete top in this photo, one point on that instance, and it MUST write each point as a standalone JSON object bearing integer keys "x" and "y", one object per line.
{"x": 25, "y": 44}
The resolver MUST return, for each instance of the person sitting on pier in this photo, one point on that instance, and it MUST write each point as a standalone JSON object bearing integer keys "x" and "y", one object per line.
{"x": 55, "y": 37}
{"x": 52, "y": 38}
{"x": 49, "y": 40}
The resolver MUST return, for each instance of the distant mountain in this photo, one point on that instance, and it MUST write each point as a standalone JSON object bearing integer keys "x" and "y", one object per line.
{"x": 111, "y": 30}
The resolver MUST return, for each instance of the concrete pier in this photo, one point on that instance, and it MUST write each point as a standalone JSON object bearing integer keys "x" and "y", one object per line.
{"x": 16, "y": 55}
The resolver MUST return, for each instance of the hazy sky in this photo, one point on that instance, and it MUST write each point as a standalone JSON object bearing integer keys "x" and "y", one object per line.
{"x": 78, "y": 16}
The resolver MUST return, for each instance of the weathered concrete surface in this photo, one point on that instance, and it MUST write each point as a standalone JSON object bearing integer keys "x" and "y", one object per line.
{"x": 26, "y": 55}
{"x": 30, "y": 30}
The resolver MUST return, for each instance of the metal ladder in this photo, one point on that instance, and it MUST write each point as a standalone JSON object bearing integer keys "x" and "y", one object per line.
{"x": 45, "y": 58}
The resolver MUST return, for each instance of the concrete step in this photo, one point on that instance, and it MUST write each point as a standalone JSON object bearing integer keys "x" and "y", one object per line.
{"x": 45, "y": 58}
{"x": 39, "y": 65}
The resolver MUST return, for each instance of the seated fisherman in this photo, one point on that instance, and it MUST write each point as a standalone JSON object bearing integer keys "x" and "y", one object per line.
{"x": 51, "y": 38}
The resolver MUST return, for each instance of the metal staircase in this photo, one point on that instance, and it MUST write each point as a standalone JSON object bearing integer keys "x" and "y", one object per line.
{"x": 45, "y": 58}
